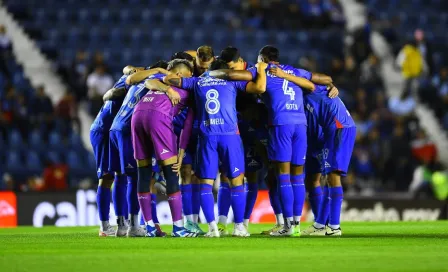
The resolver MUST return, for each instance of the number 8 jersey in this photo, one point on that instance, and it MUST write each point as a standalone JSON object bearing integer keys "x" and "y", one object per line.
{"x": 284, "y": 99}
{"x": 215, "y": 103}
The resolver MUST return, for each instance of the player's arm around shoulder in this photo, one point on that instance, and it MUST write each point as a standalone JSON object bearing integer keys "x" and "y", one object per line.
{"x": 234, "y": 75}
{"x": 155, "y": 84}
{"x": 173, "y": 80}
{"x": 259, "y": 85}
{"x": 141, "y": 75}
{"x": 299, "y": 81}
{"x": 114, "y": 93}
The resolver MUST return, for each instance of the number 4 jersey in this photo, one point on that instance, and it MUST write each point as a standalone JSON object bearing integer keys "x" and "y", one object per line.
{"x": 284, "y": 99}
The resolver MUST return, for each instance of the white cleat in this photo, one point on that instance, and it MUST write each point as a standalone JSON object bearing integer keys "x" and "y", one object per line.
{"x": 313, "y": 231}
{"x": 284, "y": 232}
{"x": 240, "y": 231}
{"x": 136, "y": 232}
{"x": 333, "y": 232}
{"x": 212, "y": 233}
{"x": 275, "y": 228}
{"x": 122, "y": 228}
{"x": 108, "y": 231}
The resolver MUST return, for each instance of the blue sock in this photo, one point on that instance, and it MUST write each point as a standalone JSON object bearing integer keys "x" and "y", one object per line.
{"x": 133, "y": 206}
{"x": 238, "y": 198}
{"x": 119, "y": 195}
{"x": 103, "y": 202}
{"x": 224, "y": 199}
{"x": 315, "y": 196}
{"x": 187, "y": 194}
{"x": 322, "y": 215}
{"x": 286, "y": 195}
{"x": 275, "y": 200}
{"x": 196, "y": 198}
{"x": 251, "y": 197}
{"x": 336, "y": 197}
{"x": 208, "y": 202}
{"x": 142, "y": 220}
{"x": 298, "y": 188}
{"x": 154, "y": 208}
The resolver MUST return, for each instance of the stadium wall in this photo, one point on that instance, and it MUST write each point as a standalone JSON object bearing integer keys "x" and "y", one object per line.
{"x": 78, "y": 208}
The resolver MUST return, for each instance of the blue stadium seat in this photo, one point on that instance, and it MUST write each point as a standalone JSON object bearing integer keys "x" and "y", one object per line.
{"x": 75, "y": 141}
{"x": 53, "y": 157}
{"x": 13, "y": 162}
{"x": 15, "y": 141}
{"x": 33, "y": 163}
{"x": 55, "y": 141}
{"x": 74, "y": 161}
{"x": 35, "y": 141}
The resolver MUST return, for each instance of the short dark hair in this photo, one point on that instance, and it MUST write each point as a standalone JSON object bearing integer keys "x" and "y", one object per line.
{"x": 218, "y": 64}
{"x": 205, "y": 53}
{"x": 269, "y": 52}
{"x": 179, "y": 62}
{"x": 182, "y": 55}
{"x": 159, "y": 64}
{"x": 229, "y": 54}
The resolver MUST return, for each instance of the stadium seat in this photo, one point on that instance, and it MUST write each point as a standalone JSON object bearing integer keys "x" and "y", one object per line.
{"x": 75, "y": 141}
{"x": 33, "y": 163}
{"x": 35, "y": 141}
{"x": 53, "y": 157}
{"x": 15, "y": 141}
{"x": 74, "y": 161}
{"x": 13, "y": 162}
{"x": 55, "y": 142}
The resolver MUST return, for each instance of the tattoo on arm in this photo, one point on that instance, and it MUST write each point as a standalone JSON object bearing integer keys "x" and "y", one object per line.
{"x": 175, "y": 81}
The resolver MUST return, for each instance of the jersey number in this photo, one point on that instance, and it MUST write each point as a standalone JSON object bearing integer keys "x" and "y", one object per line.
{"x": 288, "y": 90}
{"x": 212, "y": 99}
{"x": 134, "y": 100}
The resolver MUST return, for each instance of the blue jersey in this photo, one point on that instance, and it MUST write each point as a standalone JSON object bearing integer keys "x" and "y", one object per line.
{"x": 105, "y": 117}
{"x": 329, "y": 113}
{"x": 123, "y": 119}
{"x": 215, "y": 103}
{"x": 284, "y": 99}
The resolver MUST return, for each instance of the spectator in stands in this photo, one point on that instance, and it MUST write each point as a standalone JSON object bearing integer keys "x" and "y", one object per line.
{"x": 67, "y": 113}
{"x": 22, "y": 115}
{"x": 412, "y": 65}
{"x": 335, "y": 12}
{"x": 370, "y": 72}
{"x": 55, "y": 177}
{"x": 425, "y": 49}
{"x": 403, "y": 105}
{"x": 9, "y": 104}
{"x": 5, "y": 51}
{"x": 98, "y": 83}
{"x": 43, "y": 112}
{"x": 76, "y": 74}
{"x": 315, "y": 14}
{"x": 98, "y": 60}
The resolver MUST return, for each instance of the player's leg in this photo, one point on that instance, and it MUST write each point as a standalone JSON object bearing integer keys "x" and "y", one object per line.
{"x": 280, "y": 152}
{"x": 251, "y": 196}
{"x": 339, "y": 159}
{"x": 187, "y": 193}
{"x": 231, "y": 154}
{"x": 299, "y": 145}
{"x": 274, "y": 198}
{"x": 120, "y": 186}
{"x": 315, "y": 193}
{"x": 223, "y": 202}
{"x": 100, "y": 145}
{"x": 208, "y": 167}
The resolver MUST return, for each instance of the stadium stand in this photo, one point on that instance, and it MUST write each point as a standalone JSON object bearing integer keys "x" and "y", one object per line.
{"x": 81, "y": 35}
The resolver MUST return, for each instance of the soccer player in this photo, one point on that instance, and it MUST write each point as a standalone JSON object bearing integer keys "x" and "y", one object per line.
{"x": 203, "y": 57}
{"x": 121, "y": 158}
{"x": 339, "y": 131}
{"x": 219, "y": 138}
{"x": 153, "y": 133}
{"x": 99, "y": 138}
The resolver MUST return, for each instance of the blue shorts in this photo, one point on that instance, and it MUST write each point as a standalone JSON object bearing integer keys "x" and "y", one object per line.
{"x": 316, "y": 154}
{"x": 288, "y": 143}
{"x": 100, "y": 144}
{"x": 121, "y": 153}
{"x": 155, "y": 165}
{"x": 252, "y": 159}
{"x": 225, "y": 148}
{"x": 339, "y": 143}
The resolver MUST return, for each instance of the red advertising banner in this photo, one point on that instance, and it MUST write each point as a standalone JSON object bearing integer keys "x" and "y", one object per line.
{"x": 8, "y": 210}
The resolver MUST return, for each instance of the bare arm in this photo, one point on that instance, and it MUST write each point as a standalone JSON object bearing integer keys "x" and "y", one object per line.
{"x": 229, "y": 74}
{"x": 173, "y": 80}
{"x": 299, "y": 81}
{"x": 259, "y": 86}
{"x": 139, "y": 76}
{"x": 155, "y": 84}
{"x": 114, "y": 93}
{"x": 321, "y": 79}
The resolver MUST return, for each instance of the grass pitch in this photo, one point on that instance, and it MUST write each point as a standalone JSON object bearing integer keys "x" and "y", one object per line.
{"x": 412, "y": 246}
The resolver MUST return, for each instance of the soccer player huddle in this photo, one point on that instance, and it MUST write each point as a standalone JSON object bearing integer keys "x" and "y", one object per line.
{"x": 173, "y": 127}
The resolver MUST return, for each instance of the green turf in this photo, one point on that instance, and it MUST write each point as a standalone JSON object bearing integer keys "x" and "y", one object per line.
{"x": 416, "y": 246}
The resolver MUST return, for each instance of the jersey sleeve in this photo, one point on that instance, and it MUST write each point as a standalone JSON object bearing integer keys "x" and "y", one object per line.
{"x": 303, "y": 73}
{"x": 121, "y": 83}
{"x": 188, "y": 83}
{"x": 253, "y": 71}
{"x": 240, "y": 85}
{"x": 186, "y": 131}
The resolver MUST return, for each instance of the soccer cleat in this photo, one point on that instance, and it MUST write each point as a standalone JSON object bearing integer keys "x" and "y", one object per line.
{"x": 275, "y": 228}
{"x": 212, "y": 233}
{"x": 287, "y": 230}
{"x": 222, "y": 230}
{"x": 296, "y": 232}
{"x": 159, "y": 231}
{"x": 333, "y": 232}
{"x": 313, "y": 231}
{"x": 194, "y": 227}
{"x": 150, "y": 231}
{"x": 109, "y": 231}
{"x": 183, "y": 232}
{"x": 240, "y": 231}
{"x": 122, "y": 229}
{"x": 136, "y": 232}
